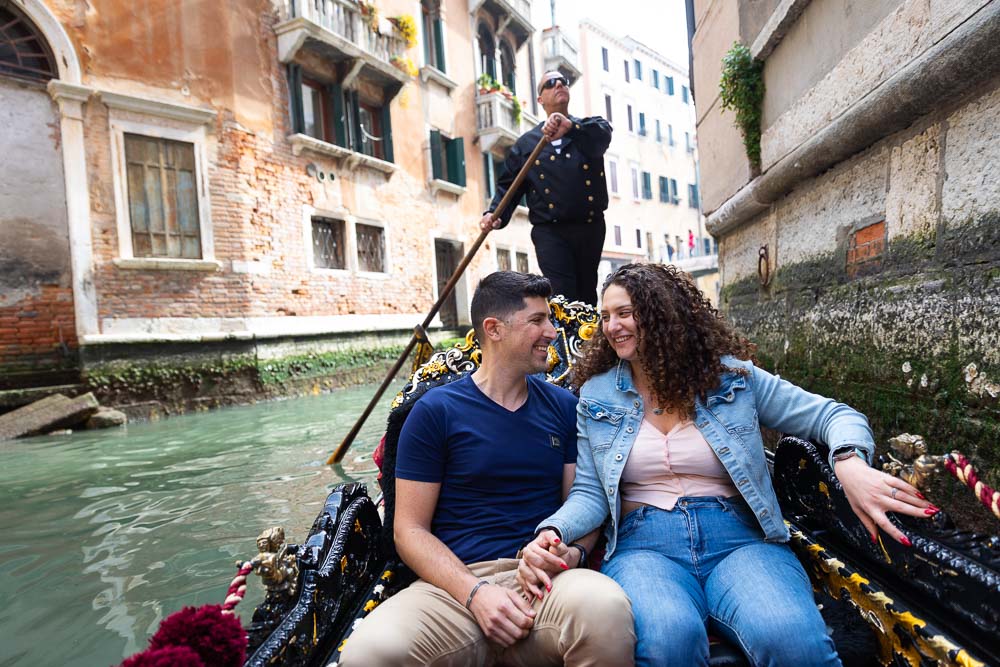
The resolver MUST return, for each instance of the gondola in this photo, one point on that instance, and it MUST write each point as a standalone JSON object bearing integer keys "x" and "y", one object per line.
{"x": 935, "y": 603}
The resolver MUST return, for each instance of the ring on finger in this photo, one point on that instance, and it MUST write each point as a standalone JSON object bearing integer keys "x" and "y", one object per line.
{"x": 892, "y": 493}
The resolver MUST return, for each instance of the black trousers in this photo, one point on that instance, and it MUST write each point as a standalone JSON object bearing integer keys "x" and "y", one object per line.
{"x": 568, "y": 255}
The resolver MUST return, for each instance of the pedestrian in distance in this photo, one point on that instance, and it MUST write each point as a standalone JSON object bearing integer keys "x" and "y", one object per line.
{"x": 566, "y": 192}
{"x": 670, "y": 449}
{"x": 481, "y": 461}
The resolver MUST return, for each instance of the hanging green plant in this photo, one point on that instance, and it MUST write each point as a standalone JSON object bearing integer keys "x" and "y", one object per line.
{"x": 742, "y": 91}
{"x": 516, "y": 104}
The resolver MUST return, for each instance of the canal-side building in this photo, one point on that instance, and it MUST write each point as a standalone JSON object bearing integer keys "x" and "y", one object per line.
{"x": 241, "y": 183}
{"x": 652, "y": 163}
{"x": 863, "y": 253}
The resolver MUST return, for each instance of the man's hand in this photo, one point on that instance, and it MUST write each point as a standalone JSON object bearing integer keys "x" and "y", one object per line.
{"x": 873, "y": 493}
{"x": 543, "y": 558}
{"x": 557, "y": 126}
{"x": 503, "y": 615}
{"x": 489, "y": 222}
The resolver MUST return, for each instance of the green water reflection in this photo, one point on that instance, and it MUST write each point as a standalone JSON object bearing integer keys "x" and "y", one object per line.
{"x": 107, "y": 532}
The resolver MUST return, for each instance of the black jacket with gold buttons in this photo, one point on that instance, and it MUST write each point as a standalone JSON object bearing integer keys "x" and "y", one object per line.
{"x": 564, "y": 186}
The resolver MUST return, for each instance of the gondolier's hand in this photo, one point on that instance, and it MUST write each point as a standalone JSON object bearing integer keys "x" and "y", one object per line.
{"x": 543, "y": 558}
{"x": 872, "y": 493}
{"x": 556, "y": 126}
{"x": 503, "y": 615}
{"x": 489, "y": 222}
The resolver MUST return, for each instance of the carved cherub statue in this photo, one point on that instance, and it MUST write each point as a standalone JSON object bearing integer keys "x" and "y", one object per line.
{"x": 921, "y": 466}
{"x": 277, "y": 568}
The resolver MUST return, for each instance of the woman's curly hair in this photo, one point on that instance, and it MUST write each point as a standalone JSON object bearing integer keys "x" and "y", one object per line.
{"x": 681, "y": 337}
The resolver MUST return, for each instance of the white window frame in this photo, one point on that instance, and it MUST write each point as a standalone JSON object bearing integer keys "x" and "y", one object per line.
{"x": 192, "y": 133}
{"x": 613, "y": 164}
{"x": 353, "y": 244}
{"x": 636, "y": 184}
{"x": 510, "y": 250}
{"x": 308, "y": 213}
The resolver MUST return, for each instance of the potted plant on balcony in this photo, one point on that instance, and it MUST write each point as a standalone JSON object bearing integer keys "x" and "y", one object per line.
{"x": 404, "y": 64}
{"x": 369, "y": 14}
{"x": 407, "y": 28}
{"x": 487, "y": 84}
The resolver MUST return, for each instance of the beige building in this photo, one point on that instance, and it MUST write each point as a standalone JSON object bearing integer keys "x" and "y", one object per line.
{"x": 652, "y": 163}
{"x": 863, "y": 254}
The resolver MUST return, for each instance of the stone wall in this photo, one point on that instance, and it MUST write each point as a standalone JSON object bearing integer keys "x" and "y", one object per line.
{"x": 907, "y": 330}
{"x": 37, "y": 328}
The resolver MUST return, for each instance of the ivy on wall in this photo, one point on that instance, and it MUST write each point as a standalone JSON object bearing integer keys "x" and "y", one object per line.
{"x": 742, "y": 91}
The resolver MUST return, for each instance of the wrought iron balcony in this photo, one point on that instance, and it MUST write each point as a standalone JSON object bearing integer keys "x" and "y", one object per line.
{"x": 560, "y": 53}
{"x": 512, "y": 15}
{"x": 336, "y": 31}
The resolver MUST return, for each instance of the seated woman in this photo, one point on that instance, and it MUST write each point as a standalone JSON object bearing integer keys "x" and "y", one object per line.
{"x": 670, "y": 446}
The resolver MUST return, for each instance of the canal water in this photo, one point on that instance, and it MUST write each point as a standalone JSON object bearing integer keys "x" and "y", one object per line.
{"x": 105, "y": 533}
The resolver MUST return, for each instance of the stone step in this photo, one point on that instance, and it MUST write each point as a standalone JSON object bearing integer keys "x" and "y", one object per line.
{"x": 48, "y": 414}
{"x": 15, "y": 398}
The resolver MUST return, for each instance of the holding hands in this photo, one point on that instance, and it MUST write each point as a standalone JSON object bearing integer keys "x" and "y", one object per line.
{"x": 872, "y": 493}
{"x": 544, "y": 558}
{"x": 503, "y": 615}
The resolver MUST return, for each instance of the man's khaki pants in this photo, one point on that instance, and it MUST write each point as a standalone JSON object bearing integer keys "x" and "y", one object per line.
{"x": 585, "y": 620}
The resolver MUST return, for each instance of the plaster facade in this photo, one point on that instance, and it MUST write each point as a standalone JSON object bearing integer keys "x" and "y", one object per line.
{"x": 215, "y": 77}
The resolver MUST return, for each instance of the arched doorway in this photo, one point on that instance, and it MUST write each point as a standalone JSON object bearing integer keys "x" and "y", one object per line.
{"x": 487, "y": 51}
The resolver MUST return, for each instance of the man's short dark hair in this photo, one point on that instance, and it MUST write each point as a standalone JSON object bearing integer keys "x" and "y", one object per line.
{"x": 502, "y": 294}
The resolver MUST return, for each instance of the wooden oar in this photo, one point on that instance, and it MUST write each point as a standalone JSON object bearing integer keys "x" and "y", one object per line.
{"x": 341, "y": 450}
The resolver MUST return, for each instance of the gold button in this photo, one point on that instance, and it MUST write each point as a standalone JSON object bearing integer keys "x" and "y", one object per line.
{"x": 602, "y": 173}
{"x": 587, "y": 181}
{"x": 546, "y": 191}
{"x": 538, "y": 161}
{"x": 541, "y": 176}
{"x": 552, "y": 205}
{"x": 586, "y": 166}
{"x": 567, "y": 156}
{"x": 578, "y": 126}
{"x": 590, "y": 198}
{"x": 552, "y": 157}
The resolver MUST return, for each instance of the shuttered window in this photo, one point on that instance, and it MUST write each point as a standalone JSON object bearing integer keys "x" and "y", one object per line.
{"x": 162, "y": 197}
{"x": 664, "y": 189}
{"x": 647, "y": 185}
{"x": 433, "y": 35}
{"x": 447, "y": 158}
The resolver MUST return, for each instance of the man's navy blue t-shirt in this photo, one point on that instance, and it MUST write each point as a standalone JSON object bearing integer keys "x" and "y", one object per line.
{"x": 500, "y": 471}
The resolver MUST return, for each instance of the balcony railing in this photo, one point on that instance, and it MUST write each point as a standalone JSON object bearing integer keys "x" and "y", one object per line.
{"x": 496, "y": 123}
{"x": 559, "y": 53}
{"x": 514, "y": 15}
{"x": 343, "y": 20}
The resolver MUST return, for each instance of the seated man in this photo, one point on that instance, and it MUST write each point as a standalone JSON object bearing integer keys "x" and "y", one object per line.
{"x": 481, "y": 461}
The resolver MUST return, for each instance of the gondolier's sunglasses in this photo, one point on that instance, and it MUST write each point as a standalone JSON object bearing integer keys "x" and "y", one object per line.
{"x": 551, "y": 83}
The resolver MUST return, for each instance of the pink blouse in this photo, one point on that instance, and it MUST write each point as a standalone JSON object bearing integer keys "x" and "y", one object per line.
{"x": 662, "y": 468}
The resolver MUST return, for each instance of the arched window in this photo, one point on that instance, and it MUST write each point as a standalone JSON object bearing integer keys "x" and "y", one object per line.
{"x": 487, "y": 52}
{"x": 507, "y": 66}
{"x": 24, "y": 53}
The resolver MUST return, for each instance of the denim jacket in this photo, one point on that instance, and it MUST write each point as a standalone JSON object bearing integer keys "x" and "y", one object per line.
{"x": 610, "y": 411}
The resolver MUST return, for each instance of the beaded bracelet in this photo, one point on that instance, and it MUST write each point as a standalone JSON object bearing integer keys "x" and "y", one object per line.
{"x": 474, "y": 590}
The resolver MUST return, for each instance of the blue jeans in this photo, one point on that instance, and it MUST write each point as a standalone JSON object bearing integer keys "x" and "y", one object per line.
{"x": 704, "y": 562}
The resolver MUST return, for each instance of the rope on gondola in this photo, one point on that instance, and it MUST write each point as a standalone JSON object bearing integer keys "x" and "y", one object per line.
{"x": 237, "y": 587}
{"x": 960, "y": 466}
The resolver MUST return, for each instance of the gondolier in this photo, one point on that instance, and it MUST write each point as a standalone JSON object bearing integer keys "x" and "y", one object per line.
{"x": 566, "y": 191}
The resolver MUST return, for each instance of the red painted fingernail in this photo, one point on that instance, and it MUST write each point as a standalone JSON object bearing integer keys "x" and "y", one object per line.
{"x": 921, "y": 496}
{"x": 906, "y": 541}
{"x": 935, "y": 508}
{"x": 539, "y": 596}
{"x": 555, "y": 540}
{"x": 564, "y": 566}
{"x": 548, "y": 588}
{"x": 874, "y": 538}
{"x": 931, "y": 511}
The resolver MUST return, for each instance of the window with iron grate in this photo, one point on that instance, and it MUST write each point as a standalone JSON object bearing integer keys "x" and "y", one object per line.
{"x": 503, "y": 259}
{"x": 24, "y": 53}
{"x": 329, "y": 243}
{"x": 371, "y": 248}
{"x": 522, "y": 262}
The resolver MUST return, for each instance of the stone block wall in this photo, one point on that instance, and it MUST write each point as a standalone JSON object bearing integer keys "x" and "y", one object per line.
{"x": 912, "y": 340}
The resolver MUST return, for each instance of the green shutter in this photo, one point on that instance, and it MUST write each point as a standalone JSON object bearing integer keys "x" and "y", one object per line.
{"x": 387, "y": 134}
{"x": 436, "y": 167}
{"x": 354, "y": 123}
{"x": 456, "y": 161}
{"x": 336, "y": 94}
{"x": 439, "y": 44}
{"x": 295, "y": 98}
